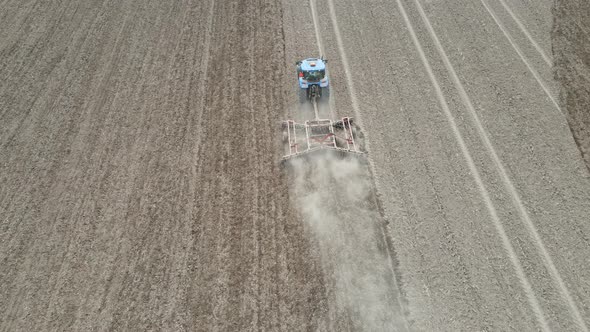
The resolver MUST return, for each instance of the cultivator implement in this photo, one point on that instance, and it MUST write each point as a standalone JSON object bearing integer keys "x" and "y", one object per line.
{"x": 320, "y": 135}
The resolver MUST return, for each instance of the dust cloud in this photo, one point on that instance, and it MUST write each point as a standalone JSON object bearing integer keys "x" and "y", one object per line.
{"x": 337, "y": 202}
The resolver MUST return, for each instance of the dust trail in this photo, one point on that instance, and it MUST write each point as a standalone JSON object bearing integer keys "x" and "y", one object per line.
{"x": 337, "y": 201}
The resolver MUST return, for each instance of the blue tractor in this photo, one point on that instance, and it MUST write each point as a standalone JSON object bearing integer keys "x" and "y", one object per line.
{"x": 312, "y": 77}
{"x": 313, "y": 136}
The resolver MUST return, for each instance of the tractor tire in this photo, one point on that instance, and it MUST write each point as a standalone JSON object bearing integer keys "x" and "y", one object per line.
{"x": 313, "y": 92}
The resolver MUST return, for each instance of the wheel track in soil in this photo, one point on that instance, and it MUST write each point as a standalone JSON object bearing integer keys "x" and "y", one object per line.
{"x": 517, "y": 49}
{"x": 503, "y": 174}
{"x": 525, "y": 31}
{"x": 390, "y": 252}
{"x": 484, "y": 192}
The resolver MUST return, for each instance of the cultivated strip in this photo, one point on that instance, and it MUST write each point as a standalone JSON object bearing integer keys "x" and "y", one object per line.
{"x": 520, "y": 54}
{"x": 357, "y": 114}
{"x": 555, "y": 276}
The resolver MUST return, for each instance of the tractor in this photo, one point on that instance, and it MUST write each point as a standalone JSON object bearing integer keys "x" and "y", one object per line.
{"x": 312, "y": 77}
{"x": 318, "y": 135}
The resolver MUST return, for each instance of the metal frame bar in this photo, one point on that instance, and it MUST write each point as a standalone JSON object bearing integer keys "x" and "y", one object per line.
{"x": 325, "y": 139}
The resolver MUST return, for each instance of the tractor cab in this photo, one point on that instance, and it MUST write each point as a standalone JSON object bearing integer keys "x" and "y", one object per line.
{"x": 312, "y": 71}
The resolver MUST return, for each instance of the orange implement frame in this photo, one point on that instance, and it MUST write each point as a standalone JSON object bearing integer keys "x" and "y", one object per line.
{"x": 313, "y": 135}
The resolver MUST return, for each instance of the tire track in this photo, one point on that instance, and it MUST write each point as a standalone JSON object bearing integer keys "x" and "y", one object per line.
{"x": 356, "y": 110}
{"x": 509, "y": 186}
{"x": 314, "y": 17}
{"x": 530, "y": 67}
{"x": 332, "y": 98}
{"x": 525, "y": 283}
{"x": 526, "y": 32}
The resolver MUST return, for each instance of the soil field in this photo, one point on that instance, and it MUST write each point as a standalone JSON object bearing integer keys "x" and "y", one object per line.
{"x": 139, "y": 183}
{"x": 140, "y": 187}
{"x": 483, "y": 192}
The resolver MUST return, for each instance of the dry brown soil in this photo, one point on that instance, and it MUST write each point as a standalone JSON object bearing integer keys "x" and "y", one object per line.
{"x": 571, "y": 51}
{"x": 139, "y": 187}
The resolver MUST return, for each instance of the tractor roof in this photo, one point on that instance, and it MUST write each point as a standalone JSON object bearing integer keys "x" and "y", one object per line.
{"x": 313, "y": 64}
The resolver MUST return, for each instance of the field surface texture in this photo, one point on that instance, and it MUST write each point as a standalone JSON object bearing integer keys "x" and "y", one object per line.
{"x": 141, "y": 189}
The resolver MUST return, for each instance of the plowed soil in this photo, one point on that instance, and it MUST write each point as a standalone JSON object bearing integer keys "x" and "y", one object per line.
{"x": 140, "y": 187}
{"x": 139, "y": 183}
